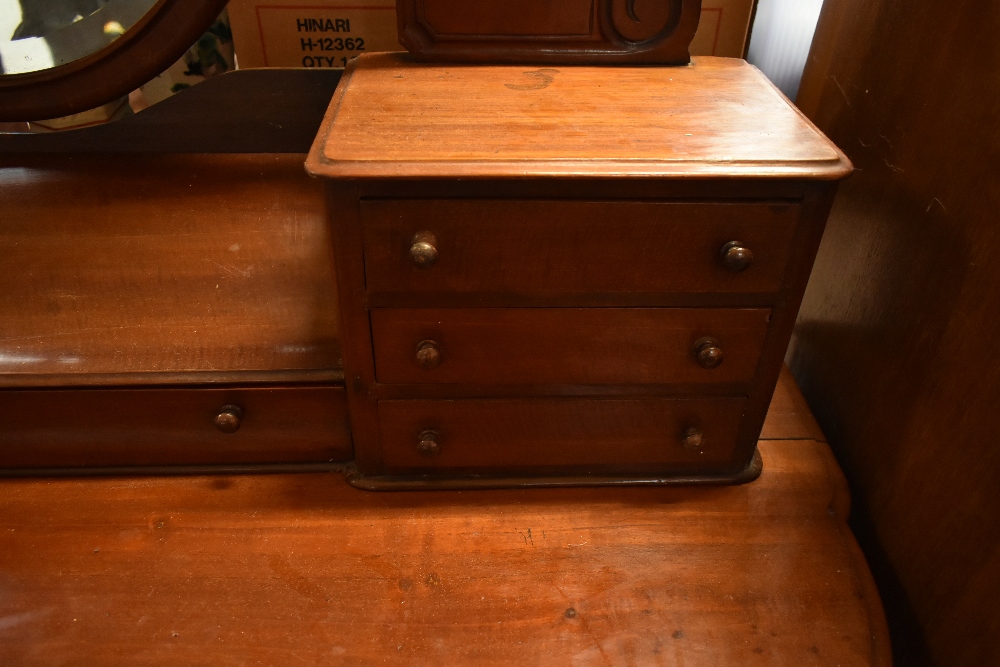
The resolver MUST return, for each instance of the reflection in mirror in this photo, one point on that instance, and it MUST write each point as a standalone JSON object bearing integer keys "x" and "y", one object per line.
{"x": 40, "y": 34}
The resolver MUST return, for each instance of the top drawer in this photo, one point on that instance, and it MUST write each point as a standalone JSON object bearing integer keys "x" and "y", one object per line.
{"x": 560, "y": 247}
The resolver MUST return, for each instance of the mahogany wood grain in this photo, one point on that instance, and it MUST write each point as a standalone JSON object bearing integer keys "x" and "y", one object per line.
{"x": 589, "y": 188}
{"x": 815, "y": 208}
{"x": 354, "y": 325}
{"x": 489, "y": 390}
{"x": 565, "y": 436}
{"x": 556, "y": 31}
{"x": 157, "y": 427}
{"x": 143, "y": 269}
{"x": 890, "y": 343}
{"x": 305, "y": 570}
{"x": 516, "y": 18}
{"x": 496, "y": 246}
{"x": 567, "y": 345}
{"x": 718, "y": 118}
{"x": 788, "y": 416}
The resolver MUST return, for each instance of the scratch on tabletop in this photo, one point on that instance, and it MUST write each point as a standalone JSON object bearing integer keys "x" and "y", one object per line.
{"x": 939, "y": 203}
{"x": 896, "y": 169}
{"x": 842, "y": 91}
{"x": 232, "y": 270}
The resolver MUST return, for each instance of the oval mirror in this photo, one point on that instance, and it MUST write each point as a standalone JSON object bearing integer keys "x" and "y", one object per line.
{"x": 60, "y": 57}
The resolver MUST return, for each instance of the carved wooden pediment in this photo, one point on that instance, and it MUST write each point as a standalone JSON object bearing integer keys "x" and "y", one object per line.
{"x": 549, "y": 31}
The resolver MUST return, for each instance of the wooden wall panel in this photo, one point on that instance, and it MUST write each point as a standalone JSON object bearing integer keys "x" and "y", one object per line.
{"x": 893, "y": 343}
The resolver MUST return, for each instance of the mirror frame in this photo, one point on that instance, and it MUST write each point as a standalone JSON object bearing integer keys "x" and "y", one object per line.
{"x": 146, "y": 49}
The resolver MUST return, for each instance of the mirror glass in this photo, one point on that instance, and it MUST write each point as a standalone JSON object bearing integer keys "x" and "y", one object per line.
{"x": 41, "y": 34}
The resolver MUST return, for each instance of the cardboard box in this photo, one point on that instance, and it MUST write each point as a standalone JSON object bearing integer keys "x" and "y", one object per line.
{"x": 327, "y": 33}
{"x": 310, "y": 33}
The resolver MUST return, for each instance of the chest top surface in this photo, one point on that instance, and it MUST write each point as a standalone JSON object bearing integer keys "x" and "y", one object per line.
{"x": 716, "y": 118}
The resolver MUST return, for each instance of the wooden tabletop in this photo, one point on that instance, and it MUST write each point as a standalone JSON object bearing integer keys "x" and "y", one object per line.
{"x": 715, "y": 118}
{"x": 305, "y": 570}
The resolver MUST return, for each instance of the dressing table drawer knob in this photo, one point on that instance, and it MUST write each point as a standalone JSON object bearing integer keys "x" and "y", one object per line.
{"x": 428, "y": 354}
{"x": 692, "y": 438}
{"x": 228, "y": 418}
{"x": 707, "y": 353}
{"x": 429, "y": 444}
{"x": 422, "y": 251}
{"x": 736, "y": 256}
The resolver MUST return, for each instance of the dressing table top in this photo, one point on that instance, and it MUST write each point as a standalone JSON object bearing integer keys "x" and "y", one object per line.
{"x": 716, "y": 118}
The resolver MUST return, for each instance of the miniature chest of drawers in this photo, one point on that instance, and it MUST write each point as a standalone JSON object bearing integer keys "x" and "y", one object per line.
{"x": 566, "y": 275}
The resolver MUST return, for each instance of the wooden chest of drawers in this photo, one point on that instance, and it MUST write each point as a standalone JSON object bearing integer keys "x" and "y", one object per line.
{"x": 582, "y": 275}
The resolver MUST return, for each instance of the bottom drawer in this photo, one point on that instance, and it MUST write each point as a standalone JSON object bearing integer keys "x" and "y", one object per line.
{"x": 572, "y": 435}
{"x": 57, "y": 428}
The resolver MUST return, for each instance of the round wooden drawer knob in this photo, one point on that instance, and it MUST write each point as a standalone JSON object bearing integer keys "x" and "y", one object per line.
{"x": 428, "y": 354}
{"x": 692, "y": 438}
{"x": 228, "y": 418}
{"x": 423, "y": 252}
{"x": 429, "y": 444}
{"x": 707, "y": 353}
{"x": 736, "y": 256}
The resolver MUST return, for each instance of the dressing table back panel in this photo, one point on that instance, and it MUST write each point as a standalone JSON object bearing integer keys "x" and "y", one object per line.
{"x": 145, "y": 293}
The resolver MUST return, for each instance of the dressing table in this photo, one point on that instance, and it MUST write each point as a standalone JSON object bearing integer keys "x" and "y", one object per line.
{"x": 419, "y": 321}
{"x": 544, "y": 275}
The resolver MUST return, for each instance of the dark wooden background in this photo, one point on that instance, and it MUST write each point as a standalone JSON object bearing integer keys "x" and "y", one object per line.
{"x": 893, "y": 347}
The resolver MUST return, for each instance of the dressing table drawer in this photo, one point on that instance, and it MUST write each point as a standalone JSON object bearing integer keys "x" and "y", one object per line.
{"x": 559, "y": 435}
{"x": 183, "y": 426}
{"x": 567, "y": 346}
{"x": 557, "y": 247}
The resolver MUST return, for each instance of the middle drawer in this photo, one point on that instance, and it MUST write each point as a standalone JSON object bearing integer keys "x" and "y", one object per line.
{"x": 566, "y": 346}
